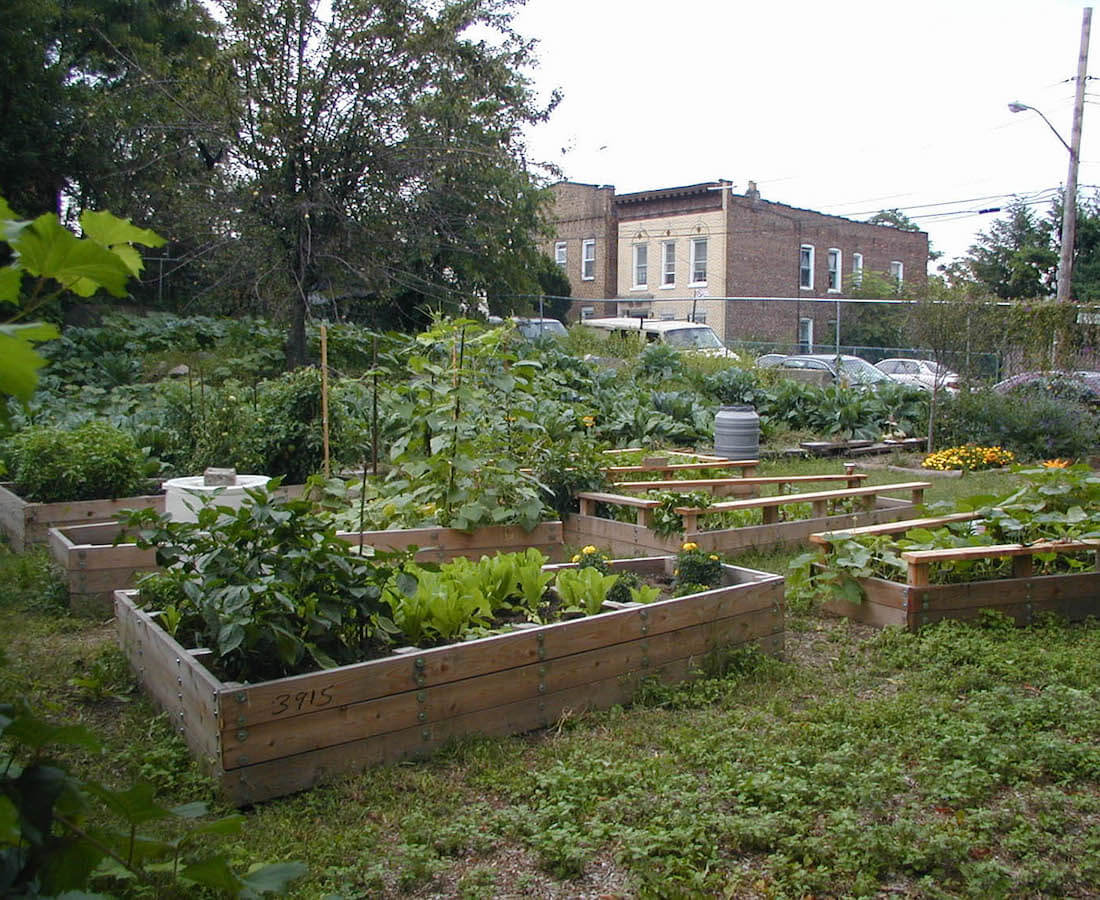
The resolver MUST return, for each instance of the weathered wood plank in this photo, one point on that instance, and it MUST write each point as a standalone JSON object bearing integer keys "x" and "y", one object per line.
{"x": 428, "y": 668}
{"x": 335, "y": 725}
{"x": 29, "y": 523}
{"x": 904, "y": 525}
{"x": 253, "y": 783}
{"x": 178, "y": 683}
{"x": 442, "y": 544}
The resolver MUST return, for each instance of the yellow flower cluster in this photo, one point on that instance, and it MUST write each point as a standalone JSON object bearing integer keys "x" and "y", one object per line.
{"x": 968, "y": 458}
{"x": 585, "y": 551}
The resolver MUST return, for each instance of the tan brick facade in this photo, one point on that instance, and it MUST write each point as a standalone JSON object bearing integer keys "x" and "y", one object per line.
{"x": 648, "y": 246}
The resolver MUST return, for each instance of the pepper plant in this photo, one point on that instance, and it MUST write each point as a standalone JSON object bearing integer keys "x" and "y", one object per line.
{"x": 269, "y": 586}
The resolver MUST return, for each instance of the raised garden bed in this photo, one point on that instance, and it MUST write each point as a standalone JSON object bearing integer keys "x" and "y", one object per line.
{"x": 99, "y": 559}
{"x": 623, "y": 538}
{"x": 274, "y": 738}
{"x": 26, "y": 523}
{"x": 915, "y": 602}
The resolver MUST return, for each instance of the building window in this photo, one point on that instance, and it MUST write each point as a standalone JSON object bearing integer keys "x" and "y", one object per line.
{"x": 806, "y": 267}
{"x": 559, "y": 253}
{"x": 641, "y": 266}
{"x": 587, "y": 312}
{"x": 699, "y": 316}
{"x": 668, "y": 263}
{"x": 698, "y": 260}
{"x": 833, "y": 259}
{"x": 668, "y": 315}
{"x": 588, "y": 259}
{"x": 897, "y": 271}
{"x": 805, "y": 335}
{"x": 857, "y": 269}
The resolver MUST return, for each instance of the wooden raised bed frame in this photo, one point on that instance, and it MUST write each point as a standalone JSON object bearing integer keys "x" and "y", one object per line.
{"x": 26, "y": 523}
{"x": 916, "y": 602}
{"x": 625, "y": 539}
{"x": 274, "y": 738}
{"x": 96, "y": 566}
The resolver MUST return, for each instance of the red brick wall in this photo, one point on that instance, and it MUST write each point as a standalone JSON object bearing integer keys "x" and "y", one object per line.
{"x": 582, "y": 212}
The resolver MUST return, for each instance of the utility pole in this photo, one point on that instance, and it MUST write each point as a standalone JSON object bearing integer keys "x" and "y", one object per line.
{"x": 1069, "y": 197}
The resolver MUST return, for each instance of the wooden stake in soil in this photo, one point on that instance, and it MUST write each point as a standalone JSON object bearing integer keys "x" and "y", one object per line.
{"x": 324, "y": 398}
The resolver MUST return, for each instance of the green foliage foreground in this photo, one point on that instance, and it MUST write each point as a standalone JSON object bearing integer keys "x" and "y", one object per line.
{"x": 963, "y": 761}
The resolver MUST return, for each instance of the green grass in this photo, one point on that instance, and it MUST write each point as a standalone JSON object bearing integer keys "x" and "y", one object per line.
{"x": 960, "y": 762}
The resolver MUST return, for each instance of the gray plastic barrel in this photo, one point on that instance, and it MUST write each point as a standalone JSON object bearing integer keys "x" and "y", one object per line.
{"x": 737, "y": 432}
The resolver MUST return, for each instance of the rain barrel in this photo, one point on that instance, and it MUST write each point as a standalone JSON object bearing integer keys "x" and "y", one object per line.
{"x": 737, "y": 432}
{"x": 183, "y": 497}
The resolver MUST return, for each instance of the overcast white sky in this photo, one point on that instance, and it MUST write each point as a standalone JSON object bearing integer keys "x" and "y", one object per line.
{"x": 845, "y": 107}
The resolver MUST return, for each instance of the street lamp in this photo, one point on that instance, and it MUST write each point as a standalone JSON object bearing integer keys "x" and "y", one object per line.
{"x": 1069, "y": 202}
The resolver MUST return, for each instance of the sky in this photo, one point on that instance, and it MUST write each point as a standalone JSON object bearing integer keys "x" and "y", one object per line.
{"x": 844, "y": 107}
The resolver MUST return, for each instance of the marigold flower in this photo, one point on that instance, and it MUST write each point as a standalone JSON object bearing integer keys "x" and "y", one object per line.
{"x": 576, "y": 557}
{"x": 588, "y": 421}
{"x": 589, "y": 549}
{"x": 689, "y": 546}
{"x": 1057, "y": 463}
{"x": 714, "y": 556}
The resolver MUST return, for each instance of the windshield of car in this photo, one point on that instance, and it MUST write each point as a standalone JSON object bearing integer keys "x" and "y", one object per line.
{"x": 862, "y": 371}
{"x": 546, "y": 328}
{"x": 699, "y": 338}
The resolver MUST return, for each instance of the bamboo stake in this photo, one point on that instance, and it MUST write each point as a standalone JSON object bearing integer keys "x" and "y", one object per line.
{"x": 324, "y": 397}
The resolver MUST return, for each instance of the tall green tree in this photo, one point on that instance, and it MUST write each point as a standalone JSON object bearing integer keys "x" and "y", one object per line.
{"x": 1015, "y": 259}
{"x": 91, "y": 101}
{"x": 379, "y": 158}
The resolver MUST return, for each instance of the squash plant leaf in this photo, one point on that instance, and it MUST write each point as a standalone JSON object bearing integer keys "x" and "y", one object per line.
{"x": 48, "y": 250}
{"x": 272, "y": 878}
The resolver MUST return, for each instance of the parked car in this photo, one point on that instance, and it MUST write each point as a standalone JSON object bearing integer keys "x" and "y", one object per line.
{"x": 922, "y": 373}
{"x": 828, "y": 368}
{"x": 535, "y": 328}
{"x": 676, "y": 334}
{"x": 1083, "y": 382}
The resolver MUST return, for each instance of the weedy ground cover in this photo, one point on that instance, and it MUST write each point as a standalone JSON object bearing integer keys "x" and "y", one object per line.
{"x": 961, "y": 761}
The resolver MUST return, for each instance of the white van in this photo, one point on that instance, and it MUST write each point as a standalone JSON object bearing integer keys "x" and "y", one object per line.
{"x": 676, "y": 334}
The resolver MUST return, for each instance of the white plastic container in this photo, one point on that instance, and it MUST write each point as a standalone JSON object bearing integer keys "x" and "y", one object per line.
{"x": 183, "y": 497}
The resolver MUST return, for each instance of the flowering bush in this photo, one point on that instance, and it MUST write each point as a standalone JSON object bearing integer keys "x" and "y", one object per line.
{"x": 697, "y": 567}
{"x": 969, "y": 458}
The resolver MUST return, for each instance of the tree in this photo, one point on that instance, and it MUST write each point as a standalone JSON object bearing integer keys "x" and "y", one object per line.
{"x": 378, "y": 156}
{"x": 893, "y": 218}
{"x": 90, "y": 99}
{"x": 1015, "y": 259}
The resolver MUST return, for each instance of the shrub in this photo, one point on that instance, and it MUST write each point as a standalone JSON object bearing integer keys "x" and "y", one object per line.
{"x": 1036, "y": 426}
{"x": 91, "y": 462}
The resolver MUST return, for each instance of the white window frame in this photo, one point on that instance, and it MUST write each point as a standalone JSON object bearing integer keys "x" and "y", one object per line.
{"x": 833, "y": 262}
{"x": 806, "y": 272}
{"x": 857, "y": 269}
{"x": 806, "y": 335}
{"x": 561, "y": 253}
{"x": 640, "y": 267}
{"x": 668, "y": 264}
{"x": 695, "y": 243}
{"x": 588, "y": 259}
{"x": 897, "y": 270}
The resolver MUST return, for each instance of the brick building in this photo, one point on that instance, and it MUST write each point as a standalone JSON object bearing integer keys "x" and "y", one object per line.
{"x": 700, "y": 249}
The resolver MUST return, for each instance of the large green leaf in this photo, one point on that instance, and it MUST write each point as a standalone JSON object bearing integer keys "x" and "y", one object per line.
{"x": 272, "y": 878}
{"x": 10, "y": 280}
{"x": 47, "y": 250}
{"x": 19, "y": 363}
{"x": 109, "y": 230}
{"x": 214, "y": 873}
{"x": 134, "y": 805}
